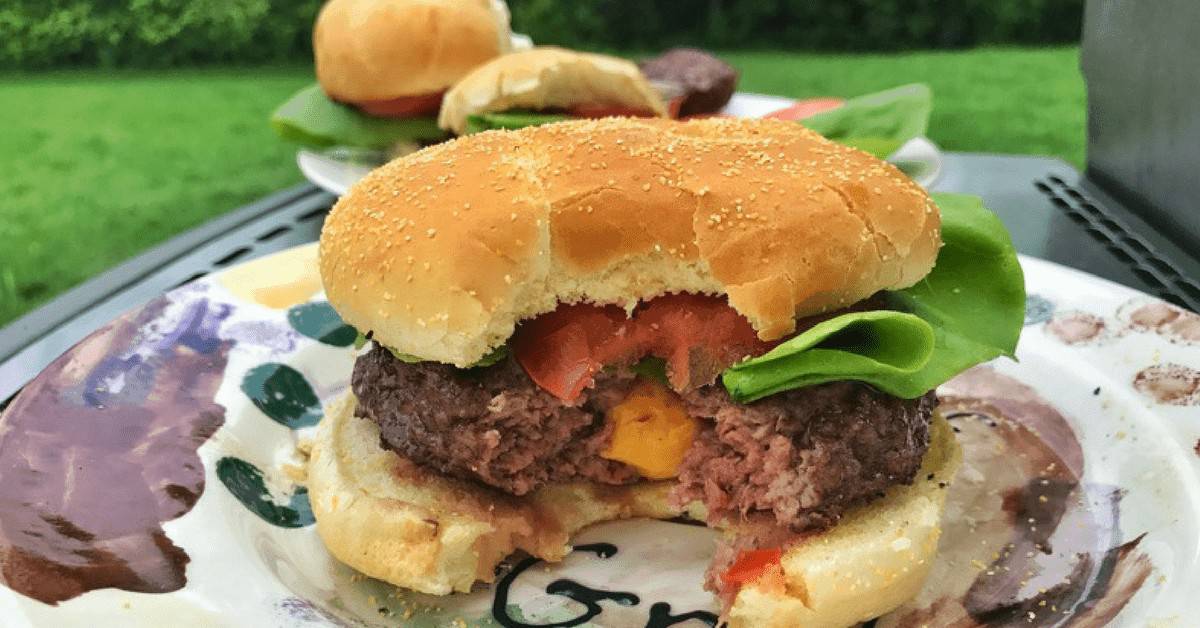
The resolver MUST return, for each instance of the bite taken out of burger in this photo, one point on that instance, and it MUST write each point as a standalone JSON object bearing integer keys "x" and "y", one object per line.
{"x": 383, "y": 67}
{"x": 734, "y": 321}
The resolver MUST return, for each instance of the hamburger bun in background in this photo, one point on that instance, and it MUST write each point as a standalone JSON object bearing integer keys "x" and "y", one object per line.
{"x": 380, "y": 50}
{"x": 547, "y": 84}
{"x": 382, "y": 67}
{"x": 492, "y": 273}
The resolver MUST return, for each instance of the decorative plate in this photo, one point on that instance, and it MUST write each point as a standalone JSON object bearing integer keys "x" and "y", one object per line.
{"x": 152, "y": 476}
{"x": 919, "y": 158}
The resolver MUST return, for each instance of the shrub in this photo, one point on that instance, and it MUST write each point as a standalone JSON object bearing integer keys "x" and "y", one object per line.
{"x": 150, "y": 33}
{"x": 799, "y": 24}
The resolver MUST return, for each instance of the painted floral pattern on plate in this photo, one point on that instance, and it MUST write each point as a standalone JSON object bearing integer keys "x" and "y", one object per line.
{"x": 156, "y": 472}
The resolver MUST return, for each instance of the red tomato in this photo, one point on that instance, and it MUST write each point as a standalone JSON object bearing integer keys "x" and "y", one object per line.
{"x": 751, "y": 564}
{"x": 560, "y": 350}
{"x": 606, "y": 111}
{"x": 404, "y": 107}
{"x": 805, "y": 108}
{"x": 697, "y": 336}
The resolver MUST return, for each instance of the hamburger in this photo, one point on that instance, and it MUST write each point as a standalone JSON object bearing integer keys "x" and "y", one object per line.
{"x": 383, "y": 67}
{"x": 547, "y": 84}
{"x": 705, "y": 83}
{"x": 733, "y": 321}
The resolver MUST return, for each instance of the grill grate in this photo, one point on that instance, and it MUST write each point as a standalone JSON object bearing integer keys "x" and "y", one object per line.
{"x": 1166, "y": 281}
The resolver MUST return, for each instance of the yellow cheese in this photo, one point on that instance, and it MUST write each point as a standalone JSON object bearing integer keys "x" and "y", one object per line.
{"x": 651, "y": 431}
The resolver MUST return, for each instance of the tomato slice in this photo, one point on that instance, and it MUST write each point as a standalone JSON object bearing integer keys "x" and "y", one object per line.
{"x": 563, "y": 350}
{"x": 802, "y": 109}
{"x": 697, "y": 336}
{"x": 607, "y": 111}
{"x": 405, "y": 106}
{"x": 750, "y": 565}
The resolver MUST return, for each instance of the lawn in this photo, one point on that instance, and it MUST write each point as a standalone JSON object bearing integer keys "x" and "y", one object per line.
{"x": 99, "y": 165}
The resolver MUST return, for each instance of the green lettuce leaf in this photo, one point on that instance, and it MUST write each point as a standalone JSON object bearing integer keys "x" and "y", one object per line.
{"x": 968, "y": 310}
{"x": 652, "y": 368}
{"x": 496, "y": 355}
{"x": 516, "y": 119}
{"x": 310, "y": 118}
{"x": 878, "y": 123}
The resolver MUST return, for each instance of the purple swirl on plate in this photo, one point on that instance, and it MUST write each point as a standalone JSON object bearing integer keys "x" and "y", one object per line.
{"x": 100, "y": 449}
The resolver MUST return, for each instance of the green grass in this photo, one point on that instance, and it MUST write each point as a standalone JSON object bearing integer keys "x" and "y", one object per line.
{"x": 98, "y": 166}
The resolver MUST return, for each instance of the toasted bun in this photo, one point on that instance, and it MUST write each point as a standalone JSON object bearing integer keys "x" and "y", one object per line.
{"x": 442, "y": 252}
{"x": 383, "y": 49}
{"x": 392, "y": 520}
{"x": 546, "y": 78}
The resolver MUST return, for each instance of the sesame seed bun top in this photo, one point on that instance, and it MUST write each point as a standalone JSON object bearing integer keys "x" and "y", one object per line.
{"x": 442, "y": 252}
{"x": 548, "y": 78}
{"x": 370, "y": 50}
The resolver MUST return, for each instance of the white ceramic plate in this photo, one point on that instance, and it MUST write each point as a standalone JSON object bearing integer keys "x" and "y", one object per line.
{"x": 147, "y": 477}
{"x": 920, "y": 157}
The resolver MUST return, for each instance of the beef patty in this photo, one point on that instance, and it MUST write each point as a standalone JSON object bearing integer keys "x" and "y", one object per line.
{"x": 489, "y": 424}
{"x": 800, "y": 457}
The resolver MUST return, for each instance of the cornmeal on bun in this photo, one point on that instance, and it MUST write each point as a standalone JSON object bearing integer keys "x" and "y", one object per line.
{"x": 734, "y": 321}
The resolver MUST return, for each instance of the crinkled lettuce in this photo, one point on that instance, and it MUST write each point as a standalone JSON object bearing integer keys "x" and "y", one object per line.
{"x": 310, "y": 118}
{"x": 968, "y": 310}
{"x": 878, "y": 123}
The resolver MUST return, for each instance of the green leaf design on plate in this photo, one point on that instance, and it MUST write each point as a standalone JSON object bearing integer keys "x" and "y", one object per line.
{"x": 245, "y": 482}
{"x": 319, "y": 321}
{"x": 283, "y": 394}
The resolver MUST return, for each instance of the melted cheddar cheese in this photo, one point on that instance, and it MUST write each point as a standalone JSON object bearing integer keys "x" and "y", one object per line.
{"x": 651, "y": 431}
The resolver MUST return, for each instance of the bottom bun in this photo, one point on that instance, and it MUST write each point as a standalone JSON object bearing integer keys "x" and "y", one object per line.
{"x": 415, "y": 528}
{"x": 875, "y": 559}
